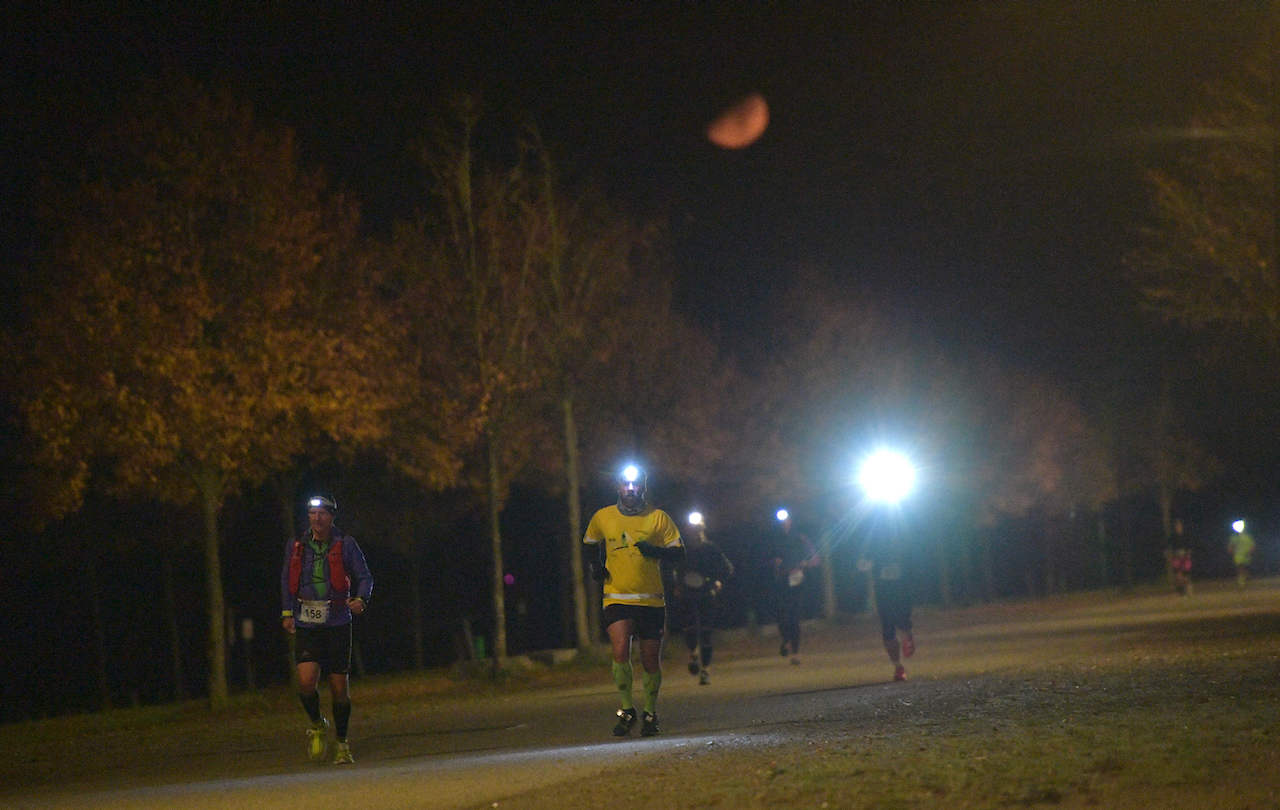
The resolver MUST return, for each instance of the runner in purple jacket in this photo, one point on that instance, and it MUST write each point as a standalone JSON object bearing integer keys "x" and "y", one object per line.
{"x": 323, "y": 583}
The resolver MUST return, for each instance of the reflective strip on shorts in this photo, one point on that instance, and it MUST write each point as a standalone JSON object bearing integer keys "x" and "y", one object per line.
{"x": 632, "y": 597}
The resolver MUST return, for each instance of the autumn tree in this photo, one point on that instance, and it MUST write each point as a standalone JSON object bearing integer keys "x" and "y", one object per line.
{"x": 203, "y": 319}
{"x": 834, "y": 368}
{"x": 663, "y": 394}
{"x": 586, "y": 281}
{"x": 1047, "y": 462}
{"x": 845, "y": 375}
{"x": 1206, "y": 257}
{"x": 481, "y": 255}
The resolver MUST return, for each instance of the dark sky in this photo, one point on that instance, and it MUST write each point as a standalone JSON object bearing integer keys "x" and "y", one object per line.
{"x": 974, "y": 163}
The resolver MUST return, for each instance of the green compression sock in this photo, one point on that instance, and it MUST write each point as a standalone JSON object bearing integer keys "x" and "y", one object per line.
{"x": 622, "y": 677}
{"x": 652, "y": 682}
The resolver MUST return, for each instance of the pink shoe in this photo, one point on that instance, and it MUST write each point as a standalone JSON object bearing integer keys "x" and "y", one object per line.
{"x": 908, "y": 647}
{"x": 900, "y": 673}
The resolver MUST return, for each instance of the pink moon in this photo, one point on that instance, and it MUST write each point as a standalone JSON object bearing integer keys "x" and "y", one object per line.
{"x": 740, "y": 125}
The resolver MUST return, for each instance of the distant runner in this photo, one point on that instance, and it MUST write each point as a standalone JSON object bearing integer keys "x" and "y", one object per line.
{"x": 692, "y": 590}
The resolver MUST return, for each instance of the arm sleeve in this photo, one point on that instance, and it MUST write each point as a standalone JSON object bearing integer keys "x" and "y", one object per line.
{"x": 361, "y": 578}
{"x": 726, "y": 567}
{"x": 667, "y": 554}
{"x": 593, "y": 534}
{"x": 815, "y": 559}
{"x": 286, "y": 598}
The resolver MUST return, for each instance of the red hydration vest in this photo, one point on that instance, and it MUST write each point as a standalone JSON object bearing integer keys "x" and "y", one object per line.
{"x": 337, "y": 570}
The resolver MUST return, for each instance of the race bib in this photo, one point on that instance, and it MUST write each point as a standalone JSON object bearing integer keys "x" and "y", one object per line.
{"x": 795, "y": 577}
{"x": 314, "y": 612}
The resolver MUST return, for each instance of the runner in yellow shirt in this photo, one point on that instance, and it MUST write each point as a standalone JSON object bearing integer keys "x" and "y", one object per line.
{"x": 632, "y": 538}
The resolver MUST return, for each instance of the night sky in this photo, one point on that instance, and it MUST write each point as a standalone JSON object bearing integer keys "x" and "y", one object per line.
{"x": 973, "y": 164}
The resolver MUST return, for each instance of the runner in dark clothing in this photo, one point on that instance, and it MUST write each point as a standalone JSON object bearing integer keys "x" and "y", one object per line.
{"x": 793, "y": 555}
{"x": 884, "y": 559}
{"x": 692, "y": 587}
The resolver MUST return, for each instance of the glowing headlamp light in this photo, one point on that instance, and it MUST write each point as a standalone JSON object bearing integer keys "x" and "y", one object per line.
{"x": 887, "y": 476}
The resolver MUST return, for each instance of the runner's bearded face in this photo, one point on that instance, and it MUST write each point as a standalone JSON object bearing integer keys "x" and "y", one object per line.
{"x": 630, "y": 493}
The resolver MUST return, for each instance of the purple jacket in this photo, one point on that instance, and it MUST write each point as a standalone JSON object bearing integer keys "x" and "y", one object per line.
{"x": 314, "y": 583}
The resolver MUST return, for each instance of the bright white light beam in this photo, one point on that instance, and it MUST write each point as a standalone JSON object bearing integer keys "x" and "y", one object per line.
{"x": 886, "y": 476}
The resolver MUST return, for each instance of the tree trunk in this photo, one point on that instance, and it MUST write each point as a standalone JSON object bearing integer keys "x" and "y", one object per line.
{"x": 988, "y": 566}
{"x": 289, "y": 522}
{"x": 94, "y": 584}
{"x": 1166, "y": 512}
{"x": 1126, "y": 545}
{"x": 171, "y": 615}
{"x": 573, "y": 496}
{"x": 495, "y": 536}
{"x": 1049, "y": 536}
{"x": 967, "y": 570}
{"x": 828, "y": 585}
{"x": 415, "y": 604}
{"x": 1103, "y": 568}
{"x": 210, "y": 484}
{"x": 943, "y": 560}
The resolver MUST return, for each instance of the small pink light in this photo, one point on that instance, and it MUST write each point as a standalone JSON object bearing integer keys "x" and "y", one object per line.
{"x": 509, "y": 579}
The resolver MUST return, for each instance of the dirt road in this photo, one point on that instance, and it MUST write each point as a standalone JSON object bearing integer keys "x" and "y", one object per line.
{"x": 475, "y": 751}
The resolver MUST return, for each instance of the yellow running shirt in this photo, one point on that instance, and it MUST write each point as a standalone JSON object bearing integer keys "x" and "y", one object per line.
{"x": 633, "y": 578}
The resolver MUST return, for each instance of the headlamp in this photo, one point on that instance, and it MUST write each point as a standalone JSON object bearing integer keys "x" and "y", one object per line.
{"x": 322, "y": 501}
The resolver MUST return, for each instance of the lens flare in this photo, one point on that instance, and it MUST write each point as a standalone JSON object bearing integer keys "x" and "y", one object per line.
{"x": 887, "y": 476}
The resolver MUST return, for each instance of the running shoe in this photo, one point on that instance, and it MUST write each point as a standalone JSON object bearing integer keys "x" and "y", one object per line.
{"x": 342, "y": 756}
{"x": 316, "y": 743}
{"x": 626, "y": 719}
{"x": 783, "y": 650}
{"x": 795, "y": 660}
{"x": 704, "y": 677}
{"x": 899, "y": 673}
{"x": 908, "y": 647}
{"x": 649, "y": 725}
{"x": 693, "y": 666}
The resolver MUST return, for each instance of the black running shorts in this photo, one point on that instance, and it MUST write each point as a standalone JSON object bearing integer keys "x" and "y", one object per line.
{"x": 330, "y": 647}
{"x": 648, "y": 620}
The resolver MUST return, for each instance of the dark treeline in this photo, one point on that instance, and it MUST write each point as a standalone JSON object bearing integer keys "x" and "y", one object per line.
{"x": 208, "y": 333}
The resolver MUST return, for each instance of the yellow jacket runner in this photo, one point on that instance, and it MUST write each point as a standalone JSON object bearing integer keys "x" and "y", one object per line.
{"x": 634, "y": 579}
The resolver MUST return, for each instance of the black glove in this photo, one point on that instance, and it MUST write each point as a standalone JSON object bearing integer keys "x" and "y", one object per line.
{"x": 599, "y": 572}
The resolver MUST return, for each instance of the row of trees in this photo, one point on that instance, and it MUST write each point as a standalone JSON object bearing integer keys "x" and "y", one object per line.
{"x": 208, "y": 316}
